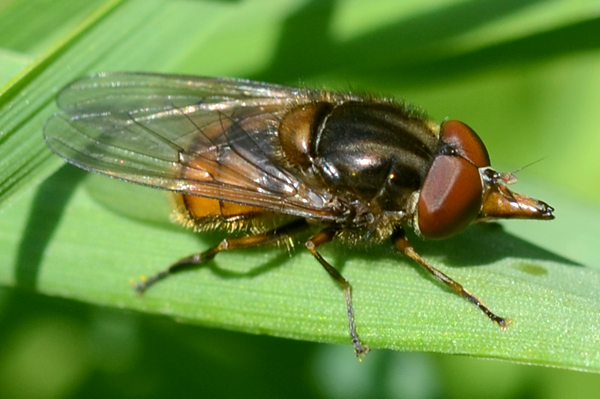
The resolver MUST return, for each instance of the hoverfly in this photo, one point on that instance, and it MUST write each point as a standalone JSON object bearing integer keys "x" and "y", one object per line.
{"x": 279, "y": 163}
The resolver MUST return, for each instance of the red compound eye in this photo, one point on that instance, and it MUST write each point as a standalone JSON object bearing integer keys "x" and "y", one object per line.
{"x": 451, "y": 193}
{"x": 466, "y": 142}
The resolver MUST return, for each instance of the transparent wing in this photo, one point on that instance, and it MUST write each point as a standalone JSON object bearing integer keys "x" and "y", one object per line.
{"x": 210, "y": 137}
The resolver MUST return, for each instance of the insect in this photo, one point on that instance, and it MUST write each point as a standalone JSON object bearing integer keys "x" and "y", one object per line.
{"x": 279, "y": 164}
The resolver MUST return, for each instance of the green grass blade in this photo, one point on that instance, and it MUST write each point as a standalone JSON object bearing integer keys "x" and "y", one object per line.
{"x": 86, "y": 238}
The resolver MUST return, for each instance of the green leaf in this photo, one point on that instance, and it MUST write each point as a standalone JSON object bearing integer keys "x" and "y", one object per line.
{"x": 87, "y": 238}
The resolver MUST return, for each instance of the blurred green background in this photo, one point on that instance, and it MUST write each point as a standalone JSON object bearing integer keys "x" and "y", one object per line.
{"x": 524, "y": 74}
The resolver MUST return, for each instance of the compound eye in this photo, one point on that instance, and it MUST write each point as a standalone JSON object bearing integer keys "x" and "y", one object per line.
{"x": 466, "y": 142}
{"x": 450, "y": 197}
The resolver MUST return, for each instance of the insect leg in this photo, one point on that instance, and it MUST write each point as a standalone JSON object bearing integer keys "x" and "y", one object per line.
{"x": 270, "y": 237}
{"x": 407, "y": 249}
{"x": 323, "y": 237}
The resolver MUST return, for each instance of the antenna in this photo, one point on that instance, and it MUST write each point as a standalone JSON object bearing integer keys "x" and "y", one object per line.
{"x": 511, "y": 178}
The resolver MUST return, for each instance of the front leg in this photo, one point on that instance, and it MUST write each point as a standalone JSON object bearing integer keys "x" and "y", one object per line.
{"x": 401, "y": 243}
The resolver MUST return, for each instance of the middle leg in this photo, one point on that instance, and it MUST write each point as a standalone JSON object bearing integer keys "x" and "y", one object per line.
{"x": 323, "y": 237}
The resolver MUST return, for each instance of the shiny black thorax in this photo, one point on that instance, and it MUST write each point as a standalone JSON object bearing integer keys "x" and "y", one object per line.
{"x": 376, "y": 153}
